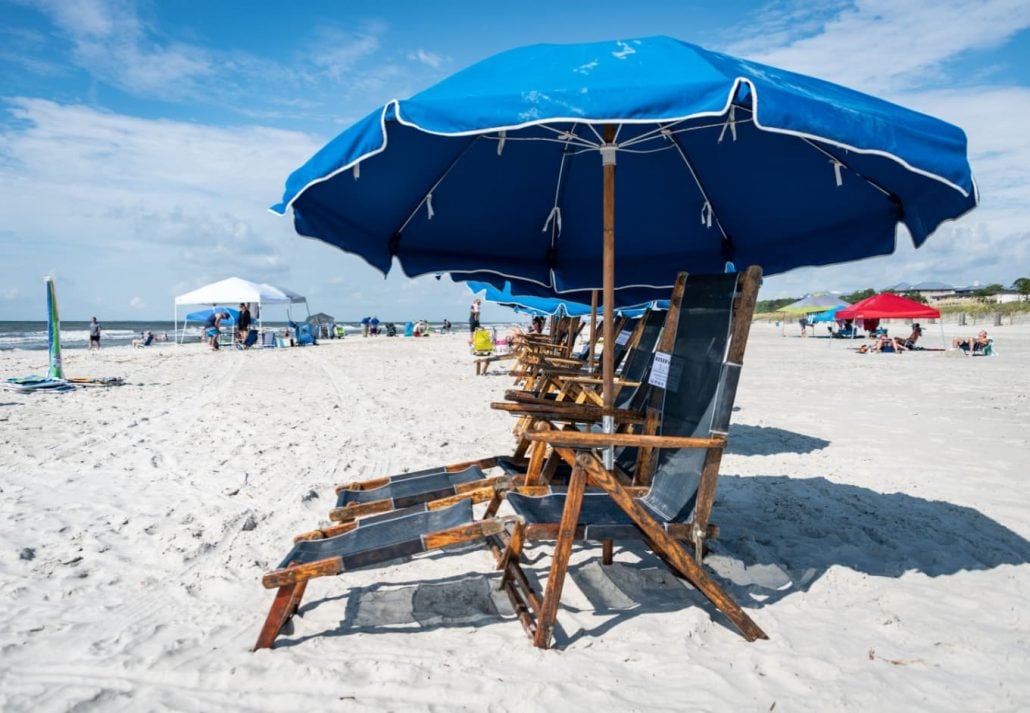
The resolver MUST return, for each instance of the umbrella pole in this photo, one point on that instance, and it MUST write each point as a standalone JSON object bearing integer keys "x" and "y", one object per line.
{"x": 608, "y": 284}
{"x": 593, "y": 330}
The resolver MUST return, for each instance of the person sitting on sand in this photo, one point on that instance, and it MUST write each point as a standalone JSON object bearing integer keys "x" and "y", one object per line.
{"x": 973, "y": 344}
{"x": 910, "y": 343}
{"x": 885, "y": 344}
{"x": 144, "y": 341}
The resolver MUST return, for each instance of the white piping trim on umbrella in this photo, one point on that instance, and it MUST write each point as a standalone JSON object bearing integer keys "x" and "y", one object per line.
{"x": 591, "y": 122}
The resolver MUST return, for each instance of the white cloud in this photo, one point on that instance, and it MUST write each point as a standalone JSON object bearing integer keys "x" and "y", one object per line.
{"x": 905, "y": 52}
{"x": 110, "y": 41}
{"x": 430, "y": 59}
{"x": 148, "y": 195}
{"x": 881, "y": 46}
{"x": 137, "y": 303}
{"x": 9, "y": 293}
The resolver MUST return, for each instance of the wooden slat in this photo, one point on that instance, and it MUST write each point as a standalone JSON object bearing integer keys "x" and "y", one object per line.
{"x": 568, "y": 412}
{"x": 296, "y": 573}
{"x": 326, "y": 532}
{"x": 465, "y": 533}
{"x": 476, "y": 495}
{"x": 560, "y": 560}
{"x": 571, "y": 439}
{"x": 278, "y": 614}
{"x": 356, "y": 510}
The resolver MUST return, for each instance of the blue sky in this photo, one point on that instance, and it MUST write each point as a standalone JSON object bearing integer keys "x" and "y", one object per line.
{"x": 141, "y": 142}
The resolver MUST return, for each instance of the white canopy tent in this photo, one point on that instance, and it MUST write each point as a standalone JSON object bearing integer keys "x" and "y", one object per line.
{"x": 234, "y": 290}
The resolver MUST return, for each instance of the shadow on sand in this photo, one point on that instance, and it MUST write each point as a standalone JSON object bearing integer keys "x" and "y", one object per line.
{"x": 747, "y": 440}
{"x": 779, "y": 536}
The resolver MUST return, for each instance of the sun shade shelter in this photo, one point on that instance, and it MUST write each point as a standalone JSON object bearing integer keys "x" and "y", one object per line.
{"x": 234, "y": 290}
{"x": 829, "y": 315}
{"x": 508, "y": 167}
{"x": 813, "y": 303}
{"x": 887, "y": 305}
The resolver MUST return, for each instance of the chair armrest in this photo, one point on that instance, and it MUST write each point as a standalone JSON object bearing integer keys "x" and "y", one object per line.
{"x": 565, "y": 411}
{"x": 574, "y": 439}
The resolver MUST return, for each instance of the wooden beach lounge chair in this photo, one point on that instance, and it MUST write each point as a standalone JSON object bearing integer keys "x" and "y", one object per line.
{"x": 557, "y": 343}
{"x": 468, "y": 478}
{"x": 695, "y": 394}
{"x": 376, "y": 539}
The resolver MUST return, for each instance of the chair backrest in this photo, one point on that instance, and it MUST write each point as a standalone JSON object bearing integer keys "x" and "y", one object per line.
{"x": 252, "y": 337}
{"x": 638, "y": 360}
{"x": 695, "y": 385}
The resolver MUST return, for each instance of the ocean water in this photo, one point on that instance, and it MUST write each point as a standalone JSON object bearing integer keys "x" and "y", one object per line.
{"x": 75, "y": 334}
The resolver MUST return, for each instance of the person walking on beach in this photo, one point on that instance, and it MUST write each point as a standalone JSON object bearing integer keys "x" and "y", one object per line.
{"x": 212, "y": 327}
{"x": 94, "y": 334}
{"x": 474, "y": 315}
{"x": 243, "y": 323}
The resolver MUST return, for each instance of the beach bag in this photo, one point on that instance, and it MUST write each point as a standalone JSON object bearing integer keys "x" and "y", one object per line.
{"x": 481, "y": 342}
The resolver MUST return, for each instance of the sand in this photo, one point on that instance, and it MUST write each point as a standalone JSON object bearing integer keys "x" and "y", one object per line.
{"x": 872, "y": 508}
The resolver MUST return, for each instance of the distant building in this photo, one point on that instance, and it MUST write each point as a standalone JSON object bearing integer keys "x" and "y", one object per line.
{"x": 931, "y": 291}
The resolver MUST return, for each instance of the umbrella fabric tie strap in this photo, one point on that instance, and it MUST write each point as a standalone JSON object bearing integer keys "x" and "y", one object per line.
{"x": 731, "y": 124}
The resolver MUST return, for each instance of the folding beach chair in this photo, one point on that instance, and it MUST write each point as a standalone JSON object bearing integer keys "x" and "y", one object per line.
{"x": 469, "y": 479}
{"x": 694, "y": 389}
{"x": 376, "y": 539}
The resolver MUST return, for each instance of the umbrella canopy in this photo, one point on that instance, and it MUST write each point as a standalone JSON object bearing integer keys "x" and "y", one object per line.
{"x": 721, "y": 162}
{"x": 887, "y": 305}
{"x": 321, "y": 318}
{"x": 830, "y": 315}
{"x": 507, "y": 296}
{"x": 813, "y": 303}
{"x": 496, "y": 168}
{"x": 235, "y": 289}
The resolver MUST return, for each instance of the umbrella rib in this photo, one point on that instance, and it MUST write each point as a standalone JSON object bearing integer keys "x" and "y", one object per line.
{"x": 555, "y": 231}
{"x": 700, "y": 187}
{"x": 830, "y": 156}
{"x": 667, "y": 130}
{"x": 450, "y": 167}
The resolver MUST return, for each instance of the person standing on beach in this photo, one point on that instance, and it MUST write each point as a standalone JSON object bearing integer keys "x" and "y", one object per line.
{"x": 243, "y": 323}
{"x": 94, "y": 334}
{"x": 212, "y": 326}
{"x": 474, "y": 315}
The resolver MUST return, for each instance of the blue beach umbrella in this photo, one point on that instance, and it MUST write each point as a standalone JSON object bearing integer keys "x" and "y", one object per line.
{"x": 509, "y": 167}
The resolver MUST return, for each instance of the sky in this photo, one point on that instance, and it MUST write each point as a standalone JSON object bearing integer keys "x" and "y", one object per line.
{"x": 141, "y": 142}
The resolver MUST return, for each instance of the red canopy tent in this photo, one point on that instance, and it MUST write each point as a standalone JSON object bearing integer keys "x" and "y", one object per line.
{"x": 887, "y": 306}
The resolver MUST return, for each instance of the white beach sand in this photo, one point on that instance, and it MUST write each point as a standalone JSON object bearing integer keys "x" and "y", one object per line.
{"x": 873, "y": 511}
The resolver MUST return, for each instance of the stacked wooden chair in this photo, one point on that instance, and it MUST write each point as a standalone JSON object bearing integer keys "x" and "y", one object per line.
{"x": 683, "y": 431}
{"x": 558, "y": 343}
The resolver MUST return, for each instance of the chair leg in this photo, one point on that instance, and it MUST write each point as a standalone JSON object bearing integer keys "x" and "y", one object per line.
{"x": 287, "y": 599}
{"x": 606, "y": 551}
{"x": 670, "y": 550}
{"x": 560, "y": 562}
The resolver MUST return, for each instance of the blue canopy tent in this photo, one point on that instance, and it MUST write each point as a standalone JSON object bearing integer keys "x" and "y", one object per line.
{"x": 829, "y": 315}
{"x": 201, "y": 316}
{"x": 720, "y": 160}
